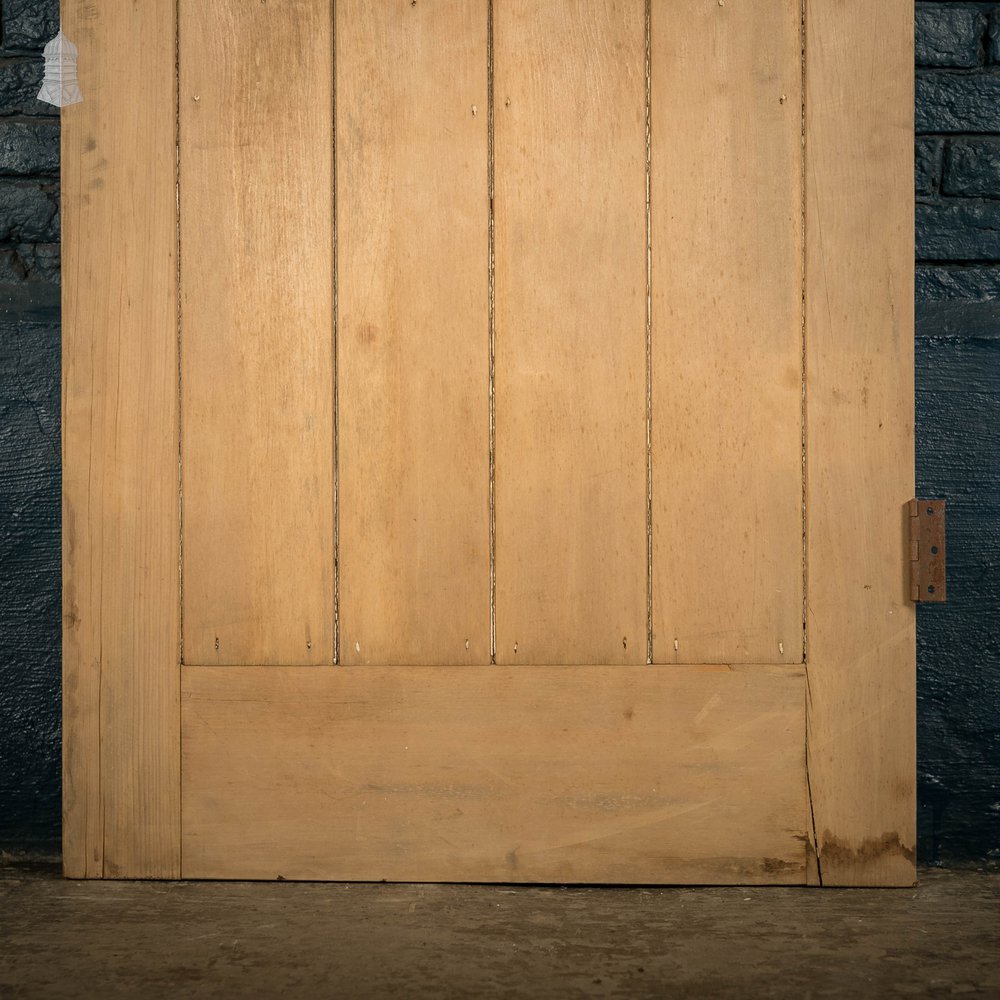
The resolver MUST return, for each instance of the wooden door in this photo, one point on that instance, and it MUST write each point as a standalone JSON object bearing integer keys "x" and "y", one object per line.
{"x": 487, "y": 441}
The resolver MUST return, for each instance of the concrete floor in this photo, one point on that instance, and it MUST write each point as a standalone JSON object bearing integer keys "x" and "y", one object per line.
{"x": 262, "y": 939}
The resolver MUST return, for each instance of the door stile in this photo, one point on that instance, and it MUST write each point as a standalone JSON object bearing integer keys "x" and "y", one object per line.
{"x": 859, "y": 313}
{"x": 121, "y": 584}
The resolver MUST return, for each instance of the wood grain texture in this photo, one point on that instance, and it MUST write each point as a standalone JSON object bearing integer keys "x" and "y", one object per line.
{"x": 861, "y": 636}
{"x": 121, "y": 683}
{"x": 590, "y": 774}
{"x": 413, "y": 331}
{"x": 726, "y": 342}
{"x": 256, "y": 191}
{"x": 570, "y": 331}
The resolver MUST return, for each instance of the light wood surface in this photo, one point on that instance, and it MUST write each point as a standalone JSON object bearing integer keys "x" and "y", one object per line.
{"x": 121, "y": 687}
{"x": 413, "y": 331}
{"x": 570, "y": 331}
{"x": 726, "y": 342}
{"x": 861, "y": 636}
{"x": 602, "y": 771}
{"x": 256, "y": 190}
{"x": 550, "y": 774}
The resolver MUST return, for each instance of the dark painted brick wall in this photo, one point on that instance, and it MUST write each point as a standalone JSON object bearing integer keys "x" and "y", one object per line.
{"x": 29, "y": 431}
{"x": 958, "y": 430}
{"x": 958, "y": 421}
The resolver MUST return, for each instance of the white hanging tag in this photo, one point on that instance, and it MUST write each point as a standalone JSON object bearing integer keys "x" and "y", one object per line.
{"x": 59, "y": 85}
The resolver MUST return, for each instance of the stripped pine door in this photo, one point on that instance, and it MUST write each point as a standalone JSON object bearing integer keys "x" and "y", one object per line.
{"x": 487, "y": 441}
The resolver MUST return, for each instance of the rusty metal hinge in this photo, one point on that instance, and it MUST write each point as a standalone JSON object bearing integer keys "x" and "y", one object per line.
{"x": 928, "y": 579}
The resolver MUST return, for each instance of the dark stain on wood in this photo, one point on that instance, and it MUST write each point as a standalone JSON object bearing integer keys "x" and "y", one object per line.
{"x": 838, "y": 852}
{"x": 775, "y": 866}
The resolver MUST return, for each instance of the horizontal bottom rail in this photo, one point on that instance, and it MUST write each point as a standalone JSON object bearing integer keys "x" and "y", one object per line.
{"x": 592, "y": 775}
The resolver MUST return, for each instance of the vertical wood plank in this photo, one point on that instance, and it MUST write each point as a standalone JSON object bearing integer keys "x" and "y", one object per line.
{"x": 121, "y": 682}
{"x": 256, "y": 190}
{"x": 861, "y": 634}
{"x": 413, "y": 331}
{"x": 726, "y": 342}
{"x": 570, "y": 153}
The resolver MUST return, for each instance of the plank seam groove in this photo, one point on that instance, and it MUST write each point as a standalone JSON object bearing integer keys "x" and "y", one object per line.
{"x": 101, "y": 798}
{"x": 180, "y": 408}
{"x": 180, "y": 309}
{"x": 649, "y": 341}
{"x": 789, "y": 669}
{"x": 804, "y": 359}
{"x": 335, "y": 345}
{"x": 814, "y": 846}
{"x": 491, "y": 320}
